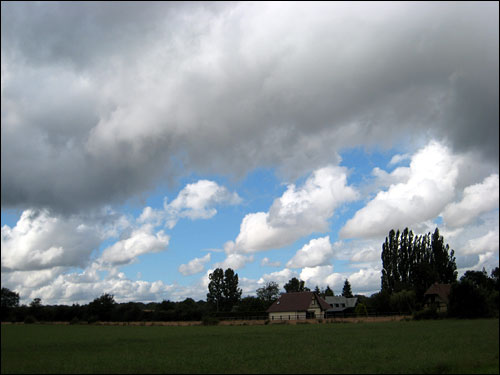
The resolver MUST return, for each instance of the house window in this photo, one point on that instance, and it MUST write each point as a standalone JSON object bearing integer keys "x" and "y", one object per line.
{"x": 336, "y": 305}
{"x": 343, "y": 305}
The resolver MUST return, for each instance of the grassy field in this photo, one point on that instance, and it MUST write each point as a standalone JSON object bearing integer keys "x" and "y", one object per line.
{"x": 444, "y": 346}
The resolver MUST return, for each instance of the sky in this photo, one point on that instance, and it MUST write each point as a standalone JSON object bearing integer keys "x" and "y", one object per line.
{"x": 145, "y": 144}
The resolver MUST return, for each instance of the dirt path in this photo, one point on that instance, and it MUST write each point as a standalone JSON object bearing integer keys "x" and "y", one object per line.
{"x": 249, "y": 322}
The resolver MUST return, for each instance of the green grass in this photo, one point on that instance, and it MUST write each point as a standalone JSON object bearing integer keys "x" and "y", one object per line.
{"x": 443, "y": 346}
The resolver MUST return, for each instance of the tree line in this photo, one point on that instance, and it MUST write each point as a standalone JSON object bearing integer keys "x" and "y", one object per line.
{"x": 410, "y": 265}
{"x": 223, "y": 300}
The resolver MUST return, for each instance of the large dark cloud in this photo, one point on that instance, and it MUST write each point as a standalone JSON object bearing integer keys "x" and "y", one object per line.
{"x": 102, "y": 101}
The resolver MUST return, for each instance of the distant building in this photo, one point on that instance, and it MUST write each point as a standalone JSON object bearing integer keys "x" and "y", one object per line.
{"x": 339, "y": 304}
{"x": 296, "y": 306}
{"x": 438, "y": 295}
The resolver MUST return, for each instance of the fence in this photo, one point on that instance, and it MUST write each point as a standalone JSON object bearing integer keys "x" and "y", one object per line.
{"x": 373, "y": 314}
{"x": 329, "y": 315}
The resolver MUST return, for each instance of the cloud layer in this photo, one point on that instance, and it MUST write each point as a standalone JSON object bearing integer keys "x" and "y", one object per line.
{"x": 105, "y": 102}
{"x": 92, "y": 116}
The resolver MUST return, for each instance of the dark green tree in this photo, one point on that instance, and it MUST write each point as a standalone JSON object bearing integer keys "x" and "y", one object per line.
{"x": 215, "y": 296}
{"x": 269, "y": 293}
{"x": 223, "y": 291}
{"x": 346, "y": 290}
{"x": 476, "y": 295}
{"x": 231, "y": 292}
{"x": 479, "y": 279}
{"x": 295, "y": 285}
{"x": 251, "y": 304}
{"x": 495, "y": 277}
{"x": 35, "y": 308}
{"x": 328, "y": 291}
{"x": 9, "y": 301}
{"x": 467, "y": 300}
{"x": 102, "y": 307}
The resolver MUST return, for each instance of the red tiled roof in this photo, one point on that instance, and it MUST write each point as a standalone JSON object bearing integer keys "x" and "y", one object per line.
{"x": 442, "y": 290}
{"x": 299, "y": 301}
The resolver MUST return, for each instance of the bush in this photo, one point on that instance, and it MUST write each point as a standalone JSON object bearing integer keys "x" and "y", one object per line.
{"x": 210, "y": 321}
{"x": 403, "y": 301}
{"x": 468, "y": 301}
{"x": 30, "y": 319}
{"x": 427, "y": 313}
{"x": 75, "y": 320}
{"x": 361, "y": 310}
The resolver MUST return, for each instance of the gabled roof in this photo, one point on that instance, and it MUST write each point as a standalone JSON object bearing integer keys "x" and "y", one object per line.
{"x": 441, "y": 290}
{"x": 299, "y": 301}
{"x": 348, "y": 302}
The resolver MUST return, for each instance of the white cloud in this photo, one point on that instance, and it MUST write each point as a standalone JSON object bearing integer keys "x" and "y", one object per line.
{"x": 194, "y": 266}
{"x": 383, "y": 179}
{"x": 431, "y": 185}
{"x": 41, "y": 241}
{"x": 234, "y": 261}
{"x": 488, "y": 243}
{"x": 141, "y": 241}
{"x": 25, "y": 281}
{"x": 488, "y": 261}
{"x": 369, "y": 254}
{"x": 266, "y": 262}
{"x": 322, "y": 276}
{"x": 478, "y": 198}
{"x": 365, "y": 280}
{"x": 298, "y": 212}
{"x": 196, "y": 201}
{"x": 57, "y": 287}
{"x": 317, "y": 252}
{"x": 280, "y": 277}
{"x": 474, "y": 239}
{"x": 398, "y": 158}
{"x": 152, "y": 216}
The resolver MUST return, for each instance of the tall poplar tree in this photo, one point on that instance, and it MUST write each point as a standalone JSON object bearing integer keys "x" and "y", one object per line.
{"x": 415, "y": 262}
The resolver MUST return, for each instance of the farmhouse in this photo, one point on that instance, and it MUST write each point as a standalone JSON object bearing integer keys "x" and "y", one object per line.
{"x": 299, "y": 305}
{"x": 438, "y": 295}
{"x": 340, "y": 304}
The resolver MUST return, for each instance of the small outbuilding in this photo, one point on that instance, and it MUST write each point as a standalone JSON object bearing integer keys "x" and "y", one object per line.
{"x": 297, "y": 306}
{"x": 438, "y": 295}
{"x": 340, "y": 304}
